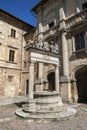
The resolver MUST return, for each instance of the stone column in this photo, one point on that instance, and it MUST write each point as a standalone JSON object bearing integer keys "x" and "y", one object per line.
{"x": 69, "y": 92}
{"x": 57, "y": 79}
{"x": 40, "y": 75}
{"x": 75, "y": 92}
{"x": 73, "y": 43}
{"x": 31, "y": 80}
{"x": 65, "y": 54}
{"x": 64, "y": 41}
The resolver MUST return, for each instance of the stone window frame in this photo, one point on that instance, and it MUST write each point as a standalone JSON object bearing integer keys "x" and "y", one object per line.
{"x": 73, "y": 43}
{"x": 11, "y": 55}
{"x": 10, "y": 78}
{"x": 50, "y": 18}
{"x": 15, "y": 53}
{"x": 13, "y": 33}
{"x": 80, "y": 41}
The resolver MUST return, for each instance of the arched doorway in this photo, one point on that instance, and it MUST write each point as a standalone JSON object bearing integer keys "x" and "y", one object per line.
{"x": 51, "y": 80}
{"x": 81, "y": 77}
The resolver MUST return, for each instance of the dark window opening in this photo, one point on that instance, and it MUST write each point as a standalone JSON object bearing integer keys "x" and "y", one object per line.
{"x": 11, "y": 55}
{"x": 13, "y": 33}
{"x": 80, "y": 41}
{"x": 51, "y": 81}
{"x": 27, "y": 87}
{"x": 51, "y": 24}
{"x": 37, "y": 68}
{"x": 10, "y": 78}
{"x": 25, "y": 63}
{"x": 84, "y": 6}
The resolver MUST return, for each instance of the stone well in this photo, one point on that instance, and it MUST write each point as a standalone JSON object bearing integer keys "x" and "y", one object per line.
{"x": 46, "y": 105}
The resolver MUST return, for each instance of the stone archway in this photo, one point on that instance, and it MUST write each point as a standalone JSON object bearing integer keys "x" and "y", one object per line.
{"x": 81, "y": 82}
{"x": 51, "y": 81}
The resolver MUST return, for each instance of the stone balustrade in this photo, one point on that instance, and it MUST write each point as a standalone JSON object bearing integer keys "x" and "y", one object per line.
{"x": 78, "y": 17}
{"x": 50, "y": 32}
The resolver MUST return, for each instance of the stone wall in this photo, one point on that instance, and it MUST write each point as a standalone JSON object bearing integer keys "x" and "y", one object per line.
{"x": 58, "y": 12}
{"x": 11, "y": 100}
{"x": 11, "y": 78}
{"x": 77, "y": 59}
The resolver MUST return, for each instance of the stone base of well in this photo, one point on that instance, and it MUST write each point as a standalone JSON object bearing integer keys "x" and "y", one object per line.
{"x": 45, "y": 105}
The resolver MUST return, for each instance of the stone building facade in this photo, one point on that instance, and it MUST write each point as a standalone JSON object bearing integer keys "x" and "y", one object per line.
{"x": 62, "y": 34}
{"x": 12, "y": 56}
{"x": 29, "y": 39}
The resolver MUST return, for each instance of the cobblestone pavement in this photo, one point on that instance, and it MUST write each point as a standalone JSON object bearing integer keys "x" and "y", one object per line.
{"x": 9, "y": 121}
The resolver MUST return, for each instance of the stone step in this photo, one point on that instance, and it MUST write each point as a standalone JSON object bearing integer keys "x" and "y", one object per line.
{"x": 68, "y": 113}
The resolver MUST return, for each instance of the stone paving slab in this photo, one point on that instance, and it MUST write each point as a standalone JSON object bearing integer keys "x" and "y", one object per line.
{"x": 12, "y": 122}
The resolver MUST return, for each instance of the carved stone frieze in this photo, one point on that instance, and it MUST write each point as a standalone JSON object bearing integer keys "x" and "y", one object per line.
{"x": 51, "y": 46}
{"x": 39, "y": 44}
{"x": 46, "y": 46}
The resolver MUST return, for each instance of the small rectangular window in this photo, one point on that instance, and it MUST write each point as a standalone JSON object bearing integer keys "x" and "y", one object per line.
{"x": 25, "y": 63}
{"x": 80, "y": 41}
{"x": 11, "y": 55}
{"x": 84, "y": 6}
{"x": 13, "y": 33}
{"x": 51, "y": 24}
{"x": 10, "y": 78}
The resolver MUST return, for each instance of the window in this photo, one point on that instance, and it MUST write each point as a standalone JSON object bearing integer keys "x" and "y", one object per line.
{"x": 51, "y": 24}
{"x": 80, "y": 41}
{"x": 84, "y": 6}
{"x": 24, "y": 63}
{"x": 11, "y": 55}
{"x": 10, "y": 78}
{"x": 13, "y": 33}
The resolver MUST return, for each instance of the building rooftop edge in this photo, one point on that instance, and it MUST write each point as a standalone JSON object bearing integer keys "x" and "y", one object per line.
{"x": 39, "y": 4}
{"x": 1, "y": 10}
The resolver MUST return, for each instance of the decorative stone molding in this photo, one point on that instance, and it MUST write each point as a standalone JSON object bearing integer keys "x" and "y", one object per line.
{"x": 77, "y": 18}
{"x": 43, "y": 58}
{"x": 44, "y": 45}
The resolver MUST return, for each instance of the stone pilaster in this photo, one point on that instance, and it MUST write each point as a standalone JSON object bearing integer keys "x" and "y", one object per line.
{"x": 40, "y": 75}
{"x": 31, "y": 80}
{"x": 73, "y": 43}
{"x": 57, "y": 79}
{"x": 65, "y": 54}
{"x": 62, "y": 17}
{"x": 75, "y": 92}
{"x": 64, "y": 41}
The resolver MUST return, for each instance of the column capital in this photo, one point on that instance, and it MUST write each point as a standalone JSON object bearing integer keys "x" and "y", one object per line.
{"x": 63, "y": 30}
{"x": 32, "y": 62}
{"x": 56, "y": 65}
